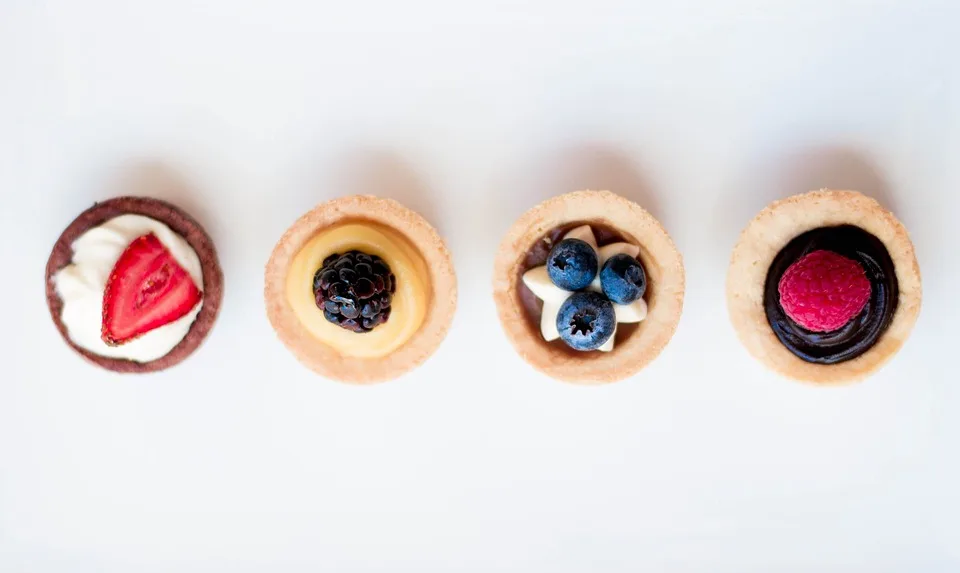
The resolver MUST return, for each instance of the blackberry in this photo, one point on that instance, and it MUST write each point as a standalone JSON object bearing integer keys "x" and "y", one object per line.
{"x": 354, "y": 290}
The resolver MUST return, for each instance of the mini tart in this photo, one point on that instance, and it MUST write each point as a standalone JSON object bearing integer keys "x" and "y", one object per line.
{"x": 764, "y": 238}
{"x": 661, "y": 261}
{"x": 416, "y": 237}
{"x": 180, "y": 223}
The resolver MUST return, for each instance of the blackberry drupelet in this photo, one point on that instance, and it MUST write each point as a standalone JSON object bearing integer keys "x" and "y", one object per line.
{"x": 354, "y": 290}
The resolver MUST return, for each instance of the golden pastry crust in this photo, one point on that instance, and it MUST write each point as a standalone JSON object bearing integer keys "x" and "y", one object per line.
{"x": 323, "y": 359}
{"x": 769, "y": 232}
{"x": 662, "y": 262}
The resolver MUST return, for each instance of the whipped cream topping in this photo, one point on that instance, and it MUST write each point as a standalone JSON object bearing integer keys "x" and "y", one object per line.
{"x": 553, "y": 297}
{"x": 81, "y": 285}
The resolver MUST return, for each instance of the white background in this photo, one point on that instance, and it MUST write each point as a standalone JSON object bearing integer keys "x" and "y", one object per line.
{"x": 472, "y": 112}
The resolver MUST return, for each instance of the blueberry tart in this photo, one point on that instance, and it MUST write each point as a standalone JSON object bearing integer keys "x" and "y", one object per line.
{"x": 824, "y": 287}
{"x": 589, "y": 287}
{"x": 134, "y": 284}
{"x": 361, "y": 289}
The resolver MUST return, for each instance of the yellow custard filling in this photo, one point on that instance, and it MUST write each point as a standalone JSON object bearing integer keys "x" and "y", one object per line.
{"x": 409, "y": 305}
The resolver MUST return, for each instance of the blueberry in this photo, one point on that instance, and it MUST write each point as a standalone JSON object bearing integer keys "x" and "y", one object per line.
{"x": 572, "y": 264}
{"x": 586, "y": 320}
{"x": 622, "y": 279}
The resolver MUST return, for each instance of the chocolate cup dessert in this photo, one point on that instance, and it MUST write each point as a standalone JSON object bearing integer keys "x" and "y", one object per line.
{"x": 179, "y": 222}
{"x": 868, "y": 237}
{"x": 612, "y": 219}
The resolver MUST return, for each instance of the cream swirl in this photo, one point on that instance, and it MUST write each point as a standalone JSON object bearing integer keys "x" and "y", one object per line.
{"x": 81, "y": 285}
{"x": 553, "y": 297}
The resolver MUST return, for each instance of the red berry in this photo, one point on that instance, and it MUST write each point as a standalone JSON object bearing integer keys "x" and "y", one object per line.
{"x": 823, "y": 291}
{"x": 146, "y": 290}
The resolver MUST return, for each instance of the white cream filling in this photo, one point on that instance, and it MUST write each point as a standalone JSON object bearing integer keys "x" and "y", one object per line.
{"x": 539, "y": 283}
{"x": 81, "y": 285}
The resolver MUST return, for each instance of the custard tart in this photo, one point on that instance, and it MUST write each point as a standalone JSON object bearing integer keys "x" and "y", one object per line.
{"x": 361, "y": 289}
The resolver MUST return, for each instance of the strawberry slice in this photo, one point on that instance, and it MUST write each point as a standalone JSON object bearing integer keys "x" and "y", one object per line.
{"x": 146, "y": 290}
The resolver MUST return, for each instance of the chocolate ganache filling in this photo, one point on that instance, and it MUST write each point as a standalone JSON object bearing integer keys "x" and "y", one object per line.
{"x": 860, "y": 333}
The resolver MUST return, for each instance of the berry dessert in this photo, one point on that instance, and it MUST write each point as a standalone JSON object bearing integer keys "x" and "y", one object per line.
{"x": 824, "y": 286}
{"x": 361, "y": 289}
{"x": 572, "y": 266}
{"x": 591, "y": 299}
{"x": 134, "y": 284}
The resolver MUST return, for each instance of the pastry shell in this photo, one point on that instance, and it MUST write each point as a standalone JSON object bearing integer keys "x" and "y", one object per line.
{"x": 769, "y": 232}
{"x": 320, "y": 357}
{"x": 179, "y": 222}
{"x": 661, "y": 260}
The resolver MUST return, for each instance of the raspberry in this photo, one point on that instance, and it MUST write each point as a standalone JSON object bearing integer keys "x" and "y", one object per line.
{"x": 823, "y": 291}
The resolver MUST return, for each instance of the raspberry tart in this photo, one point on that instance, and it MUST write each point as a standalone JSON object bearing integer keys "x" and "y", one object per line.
{"x": 824, "y": 286}
{"x": 361, "y": 289}
{"x": 134, "y": 284}
{"x": 589, "y": 287}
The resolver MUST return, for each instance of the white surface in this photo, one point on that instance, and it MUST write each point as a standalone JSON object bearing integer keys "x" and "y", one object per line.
{"x": 240, "y": 460}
